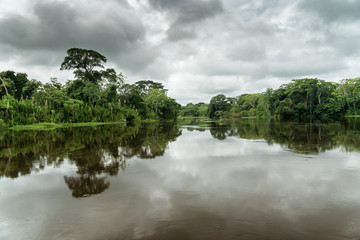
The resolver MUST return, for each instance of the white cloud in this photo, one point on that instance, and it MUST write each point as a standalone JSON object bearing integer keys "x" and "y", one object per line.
{"x": 197, "y": 49}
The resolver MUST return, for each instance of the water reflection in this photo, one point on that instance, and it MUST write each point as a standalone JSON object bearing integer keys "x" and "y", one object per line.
{"x": 97, "y": 152}
{"x": 245, "y": 186}
{"x": 86, "y": 185}
{"x": 105, "y": 149}
{"x": 305, "y": 138}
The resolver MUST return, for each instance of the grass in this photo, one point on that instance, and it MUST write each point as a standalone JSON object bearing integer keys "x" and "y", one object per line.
{"x": 50, "y": 126}
{"x": 252, "y": 117}
{"x": 180, "y": 120}
{"x": 37, "y": 126}
{"x": 194, "y": 120}
{"x": 90, "y": 124}
{"x": 150, "y": 120}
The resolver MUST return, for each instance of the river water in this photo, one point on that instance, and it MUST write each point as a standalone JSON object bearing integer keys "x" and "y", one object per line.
{"x": 249, "y": 179}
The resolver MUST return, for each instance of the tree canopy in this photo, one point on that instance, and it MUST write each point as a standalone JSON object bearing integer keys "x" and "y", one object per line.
{"x": 145, "y": 86}
{"x": 300, "y": 99}
{"x": 84, "y": 61}
{"x": 219, "y": 104}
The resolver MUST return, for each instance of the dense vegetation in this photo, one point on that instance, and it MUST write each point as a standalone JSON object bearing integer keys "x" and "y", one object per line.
{"x": 301, "y": 99}
{"x": 97, "y": 94}
{"x": 100, "y": 94}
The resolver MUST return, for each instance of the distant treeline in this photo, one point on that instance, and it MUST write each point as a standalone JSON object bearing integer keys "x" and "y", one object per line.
{"x": 95, "y": 95}
{"x": 301, "y": 99}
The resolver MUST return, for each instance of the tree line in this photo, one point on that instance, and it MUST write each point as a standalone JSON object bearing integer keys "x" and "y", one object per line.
{"x": 101, "y": 94}
{"x": 301, "y": 99}
{"x": 97, "y": 94}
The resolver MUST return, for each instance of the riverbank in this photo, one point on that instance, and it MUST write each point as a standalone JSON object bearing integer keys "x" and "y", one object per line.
{"x": 50, "y": 126}
{"x": 180, "y": 120}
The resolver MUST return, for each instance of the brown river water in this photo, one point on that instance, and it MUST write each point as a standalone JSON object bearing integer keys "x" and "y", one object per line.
{"x": 248, "y": 179}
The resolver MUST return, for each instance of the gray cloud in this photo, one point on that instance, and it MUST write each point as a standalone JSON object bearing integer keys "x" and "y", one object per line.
{"x": 57, "y": 26}
{"x": 247, "y": 50}
{"x": 196, "y": 48}
{"x": 183, "y": 14}
{"x": 180, "y": 32}
{"x": 333, "y": 10}
{"x": 189, "y": 11}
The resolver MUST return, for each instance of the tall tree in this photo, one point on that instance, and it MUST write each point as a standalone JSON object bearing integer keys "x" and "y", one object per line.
{"x": 219, "y": 103}
{"x": 84, "y": 61}
{"x": 145, "y": 86}
{"x": 163, "y": 106}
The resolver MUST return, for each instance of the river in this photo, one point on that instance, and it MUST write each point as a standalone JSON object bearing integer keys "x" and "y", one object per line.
{"x": 247, "y": 179}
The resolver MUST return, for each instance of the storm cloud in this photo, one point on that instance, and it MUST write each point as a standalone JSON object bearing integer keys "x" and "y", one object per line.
{"x": 54, "y": 26}
{"x": 333, "y": 10}
{"x": 183, "y": 15}
{"x": 196, "y": 48}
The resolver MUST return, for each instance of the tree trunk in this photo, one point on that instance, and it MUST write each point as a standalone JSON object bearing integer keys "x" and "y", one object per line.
{"x": 6, "y": 91}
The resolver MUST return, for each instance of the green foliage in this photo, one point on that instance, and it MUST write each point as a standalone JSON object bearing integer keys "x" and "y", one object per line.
{"x": 189, "y": 110}
{"x": 18, "y": 85}
{"x": 95, "y": 96}
{"x": 102, "y": 95}
{"x": 131, "y": 98}
{"x": 309, "y": 98}
{"x": 163, "y": 106}
{"x": 87, "y": 92}
{"x": 194, "y": 110}
{"x": 301, "y": 99}
{"x": 145, "y": 86}
{"x": 350, "y": 92}
{"x": 264, "y": 103}
{"x": 218, "y": 105}
{"x": 83, "y": 61}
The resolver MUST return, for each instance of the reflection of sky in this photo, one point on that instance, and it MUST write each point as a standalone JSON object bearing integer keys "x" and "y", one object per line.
{"x": 202, "y": 188}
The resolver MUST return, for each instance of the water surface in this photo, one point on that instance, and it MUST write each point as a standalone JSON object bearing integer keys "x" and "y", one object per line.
{"x": 250, "y": 179}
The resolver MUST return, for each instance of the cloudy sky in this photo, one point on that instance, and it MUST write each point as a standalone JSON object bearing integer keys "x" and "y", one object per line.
{"x": 196, "y": 48}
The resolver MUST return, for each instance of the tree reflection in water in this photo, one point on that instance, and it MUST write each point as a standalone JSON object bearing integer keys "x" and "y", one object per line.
{"x": 102, "y": 151}
{"x": 97, "y": 152}
{"x": 86, "y": 185}
{"x": 304, "y": 138}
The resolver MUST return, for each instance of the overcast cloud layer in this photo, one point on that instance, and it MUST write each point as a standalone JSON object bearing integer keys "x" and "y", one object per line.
{"x": 196, "y": 48}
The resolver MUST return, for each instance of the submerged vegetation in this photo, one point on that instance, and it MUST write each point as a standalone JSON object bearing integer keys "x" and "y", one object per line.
{"x": 100, "y": 94}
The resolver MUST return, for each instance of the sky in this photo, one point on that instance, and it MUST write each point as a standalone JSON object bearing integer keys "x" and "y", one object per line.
{"x": 196, "y": 48}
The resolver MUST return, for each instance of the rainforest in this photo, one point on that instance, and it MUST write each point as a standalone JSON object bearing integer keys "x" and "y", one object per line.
{"x": 99, "y": 94}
